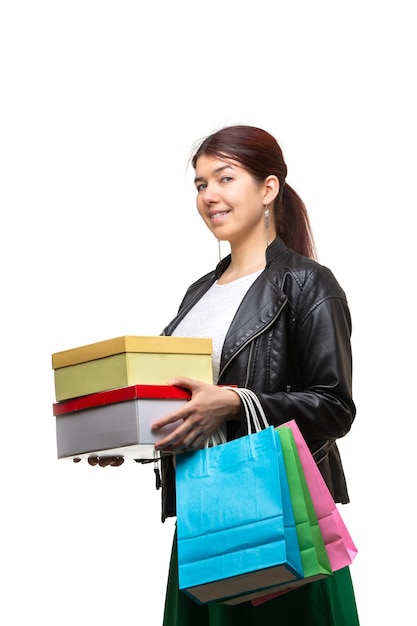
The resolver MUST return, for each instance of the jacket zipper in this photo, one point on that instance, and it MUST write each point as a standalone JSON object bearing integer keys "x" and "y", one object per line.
{"x": 251, "y": 340}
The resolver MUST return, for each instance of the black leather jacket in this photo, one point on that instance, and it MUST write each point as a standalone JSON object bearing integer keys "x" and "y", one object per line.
{"x": 290, "y": 343}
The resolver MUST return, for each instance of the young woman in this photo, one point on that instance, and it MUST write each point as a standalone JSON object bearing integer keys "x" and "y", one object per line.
{"x": 280, "y": 326}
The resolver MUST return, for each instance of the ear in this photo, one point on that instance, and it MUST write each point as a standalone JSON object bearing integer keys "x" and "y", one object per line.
{"x": 271, "y": 189}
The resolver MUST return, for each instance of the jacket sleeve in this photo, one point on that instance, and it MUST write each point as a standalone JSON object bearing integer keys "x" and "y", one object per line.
{"x": 320, "y": 398}
{"x": 318, "y": 393}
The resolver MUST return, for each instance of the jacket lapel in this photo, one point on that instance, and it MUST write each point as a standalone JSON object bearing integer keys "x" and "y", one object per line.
{"x": 258, "y": 309}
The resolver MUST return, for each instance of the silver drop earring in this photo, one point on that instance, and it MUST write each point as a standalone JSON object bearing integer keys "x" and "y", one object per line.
{"x": 266, "y": 223}
{"x": 220, "y": 250}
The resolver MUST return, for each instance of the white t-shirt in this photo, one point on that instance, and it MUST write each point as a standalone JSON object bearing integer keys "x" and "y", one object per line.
{"x": 213, "y": 314}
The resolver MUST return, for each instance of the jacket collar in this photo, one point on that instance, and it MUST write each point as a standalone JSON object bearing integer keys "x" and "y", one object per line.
{"x": 277, "y": 246}
{"x": 258, "y": 309}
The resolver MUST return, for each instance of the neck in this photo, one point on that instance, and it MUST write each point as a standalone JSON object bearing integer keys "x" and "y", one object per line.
{"x": 243, "y": 262}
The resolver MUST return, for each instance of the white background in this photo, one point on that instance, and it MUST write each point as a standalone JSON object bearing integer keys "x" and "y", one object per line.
{"x": 101, "y": 104}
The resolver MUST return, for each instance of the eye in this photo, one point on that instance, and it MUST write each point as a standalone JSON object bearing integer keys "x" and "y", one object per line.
{"x": 226, "y": 179}
{"x": 201, "y": 186}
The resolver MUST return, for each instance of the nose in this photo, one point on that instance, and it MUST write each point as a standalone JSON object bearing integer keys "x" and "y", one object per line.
{"x": 210, "y": 194}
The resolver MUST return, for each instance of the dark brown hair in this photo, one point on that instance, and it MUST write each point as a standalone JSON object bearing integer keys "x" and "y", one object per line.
{"x": 259, "y": 153}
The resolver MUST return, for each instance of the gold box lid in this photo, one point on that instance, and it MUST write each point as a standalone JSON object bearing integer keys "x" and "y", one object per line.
{"x": 131, "y": 343}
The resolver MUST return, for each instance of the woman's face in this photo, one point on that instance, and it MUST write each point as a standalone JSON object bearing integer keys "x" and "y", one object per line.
{"x": 230, "y": 201}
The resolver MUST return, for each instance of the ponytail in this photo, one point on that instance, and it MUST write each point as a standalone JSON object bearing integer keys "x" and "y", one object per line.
{"x": 293, "y": 224}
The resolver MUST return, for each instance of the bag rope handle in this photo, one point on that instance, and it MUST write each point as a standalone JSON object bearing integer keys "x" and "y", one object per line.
{"x": 215, "y": 438}
{"x": 254, "y": 412}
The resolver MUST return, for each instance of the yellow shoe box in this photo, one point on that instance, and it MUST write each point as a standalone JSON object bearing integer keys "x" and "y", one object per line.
{"x": 130, "y": 360}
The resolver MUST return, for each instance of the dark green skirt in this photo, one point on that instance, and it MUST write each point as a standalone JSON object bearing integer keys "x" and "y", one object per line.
{"x": 326, "y": 602}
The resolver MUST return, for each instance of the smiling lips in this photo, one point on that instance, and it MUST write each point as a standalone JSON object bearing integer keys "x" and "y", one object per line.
{"x": 217, "y": 215}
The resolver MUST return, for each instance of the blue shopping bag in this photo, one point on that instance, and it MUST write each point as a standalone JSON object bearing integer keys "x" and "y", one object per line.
{"x": 235, "y": 524}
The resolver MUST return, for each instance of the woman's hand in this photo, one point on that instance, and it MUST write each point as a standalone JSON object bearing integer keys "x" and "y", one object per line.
{"x": 209, "y": 407}
{"x": 103, "y": 461}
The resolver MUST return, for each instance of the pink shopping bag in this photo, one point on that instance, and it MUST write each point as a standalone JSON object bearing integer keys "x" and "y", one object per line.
{"x": 340, "y": 547}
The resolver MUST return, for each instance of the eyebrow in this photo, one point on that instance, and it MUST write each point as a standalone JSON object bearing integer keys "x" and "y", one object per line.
{"x": 216, "y": 171}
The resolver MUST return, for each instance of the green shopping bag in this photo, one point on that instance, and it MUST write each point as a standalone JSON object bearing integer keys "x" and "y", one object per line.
{"x": 313, "y": 551}
{"x": 315, "y": 561}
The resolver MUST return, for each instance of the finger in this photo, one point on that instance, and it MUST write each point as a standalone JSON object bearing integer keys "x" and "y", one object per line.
{"x": 197, "y": 443}
{"x": 193, "y": 441}
{"x": 175, "y": 437}
{"x": 119, "y": 460}
{"x": 180, "y": 439}
{"x": 168, "y": 442}
{"x": 170, "y": 418}
{"x": 185, "y": 382}
{"x": 189, "y": 443}
{"x": 76, "y": 460}
{"x": 93, "y": 460}
{"x": 104, "y": 461}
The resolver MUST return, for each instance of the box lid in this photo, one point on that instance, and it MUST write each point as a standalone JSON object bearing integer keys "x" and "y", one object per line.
{"x": 122, "y": 394}
{"x": 131, "y": 343}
